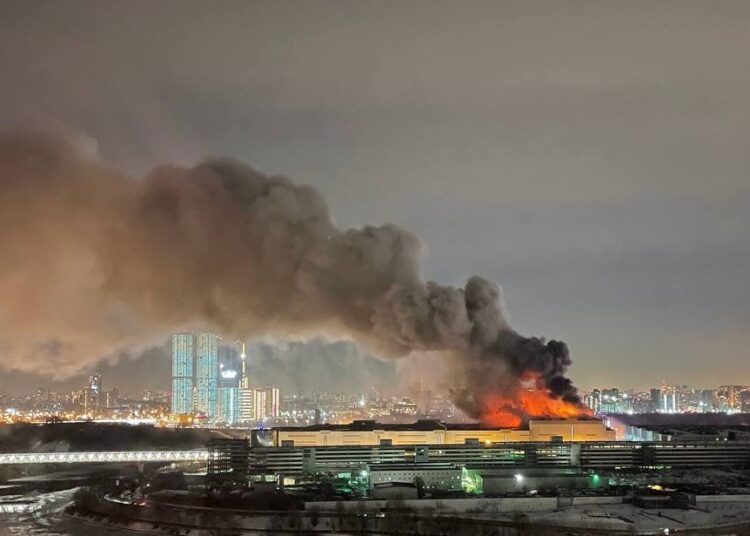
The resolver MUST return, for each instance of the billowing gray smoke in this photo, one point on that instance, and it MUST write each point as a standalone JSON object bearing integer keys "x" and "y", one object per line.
{"x": 93, "y": 261}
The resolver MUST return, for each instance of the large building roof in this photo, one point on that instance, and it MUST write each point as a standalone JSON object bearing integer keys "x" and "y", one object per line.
{"x": 420, "y": 425}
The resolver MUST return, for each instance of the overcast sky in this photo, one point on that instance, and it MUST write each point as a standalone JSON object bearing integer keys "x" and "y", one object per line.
{"x": 591, "y": 157}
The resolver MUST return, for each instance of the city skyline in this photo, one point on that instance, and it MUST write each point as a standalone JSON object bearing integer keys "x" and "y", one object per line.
{"x": 604, "y": 190}
{"x": 271, "y": 367}
{"x": 394, "y": 267}
{"x": 381, "y": 372}
{"x": 243, "y": 403}
{"x": 211, "y": 382}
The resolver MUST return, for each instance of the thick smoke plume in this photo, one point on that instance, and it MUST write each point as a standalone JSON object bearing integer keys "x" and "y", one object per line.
{"x": 93, "y": 261}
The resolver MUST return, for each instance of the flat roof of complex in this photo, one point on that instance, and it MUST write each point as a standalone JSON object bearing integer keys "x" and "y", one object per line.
{"x": 424, "y": 425}
{"x": 689, "y": 424}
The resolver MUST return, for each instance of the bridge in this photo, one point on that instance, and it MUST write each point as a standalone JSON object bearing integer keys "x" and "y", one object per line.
{"x": 104, "y": 457}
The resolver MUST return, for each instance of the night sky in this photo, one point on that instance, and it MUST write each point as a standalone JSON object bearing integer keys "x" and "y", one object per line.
{"x": 591, "y": 157}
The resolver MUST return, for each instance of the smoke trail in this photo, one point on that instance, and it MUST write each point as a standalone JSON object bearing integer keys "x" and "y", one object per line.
{"x": 95, "y": 261}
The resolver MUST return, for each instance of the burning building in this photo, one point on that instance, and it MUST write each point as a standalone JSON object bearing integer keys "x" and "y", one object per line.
{"x": 371, "y": 433}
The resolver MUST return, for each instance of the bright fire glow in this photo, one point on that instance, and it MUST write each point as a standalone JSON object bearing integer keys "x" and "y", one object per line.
{"x": 532, "y": 400}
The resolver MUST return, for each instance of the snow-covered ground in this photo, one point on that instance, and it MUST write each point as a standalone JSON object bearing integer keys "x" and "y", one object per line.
{"x": 43, "y": 517}
{"x": 630, "y": 517}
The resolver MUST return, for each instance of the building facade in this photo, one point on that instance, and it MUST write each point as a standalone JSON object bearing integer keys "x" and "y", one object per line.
{"x": 488, "y": 459}
{"x": 228, "y": 405}
{"x": 228, "y": 460}
{"x": 207, "y": 374}
{"x": 183, "y": 355}
{"x": 228, "y": 411}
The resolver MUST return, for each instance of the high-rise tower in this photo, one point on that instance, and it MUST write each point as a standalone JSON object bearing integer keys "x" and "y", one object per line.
{"x": 95, "y": 392}
{"x": 228, "y": 406}
{"x": 207, "y": 374}
{"x": 246, "y": 393}
{"x": 183, "y": 351}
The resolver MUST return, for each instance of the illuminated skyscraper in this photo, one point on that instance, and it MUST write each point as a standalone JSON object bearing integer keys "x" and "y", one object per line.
{"x": 93, "y": 398}
{"x": 266, "y": 403}
{"x": 259, "y": 404}
{"x": 273, "y": 402}
{"x": 183, "y": 352}
{"x": 229, "y": 405}
{"x": 708, "y": 400}
{"x": 228, "y": 411}
{"x": 730, "y": 398}
{"x": 247, "y": 397}
{"x": 593, "y": 400}
{"x": 254, "y": 404}
{"x": 668, "y": 399}
{"x": 655, "y": 403}
{"x": 611, "y": 401}
{"x": 95, "y": 383}
{"x": 244, "y": 379}
{"x": 207, "y": 374}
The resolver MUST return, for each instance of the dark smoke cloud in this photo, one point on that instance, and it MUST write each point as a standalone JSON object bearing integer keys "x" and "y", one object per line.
{"x": 94, "y": 262}
{"x": 319, "y": 365}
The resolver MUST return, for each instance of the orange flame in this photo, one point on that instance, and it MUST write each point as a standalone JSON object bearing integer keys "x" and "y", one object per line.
{"x": 532, "y": 400}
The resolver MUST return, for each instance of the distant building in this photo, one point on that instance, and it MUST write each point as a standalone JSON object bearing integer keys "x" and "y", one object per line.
{"x": 228, "y": 411}
{"x": 247, "y": 408}
{"x": 594, "y": 400}
{"x": 95, "y": 389}
{"x": 213, "y": 382}
{"x": 255, "y": 403}
{"x": 228, "y": 405}
{"x": 266, "y": 403}
{"x": 730, "y": 397}
{"x": 406, "y": 407}
{"x": 655, "y": 400}
{"x": 244, "y": 378}
{"x": 207, "y": 374}
{"x": 611, "y": 401}
{"x": 273, "y": 402}
{"x": 246, "y": 394}
{"x": 228, "y": 459}
{"x": 707, "y": 400}
{"x": 259, "y": 404}
{"x": 183, "y": 352}
{"x": 111, "y": 398}
{"x": 668, "y": 400}
{"x": 92, "y": 394}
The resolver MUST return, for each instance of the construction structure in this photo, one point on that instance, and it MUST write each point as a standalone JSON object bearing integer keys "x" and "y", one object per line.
{"x": 228, "y": 460}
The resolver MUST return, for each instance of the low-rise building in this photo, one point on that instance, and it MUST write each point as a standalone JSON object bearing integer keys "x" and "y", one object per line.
{"x": 446, "y": 477}
{"x": 430, "y": 432}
